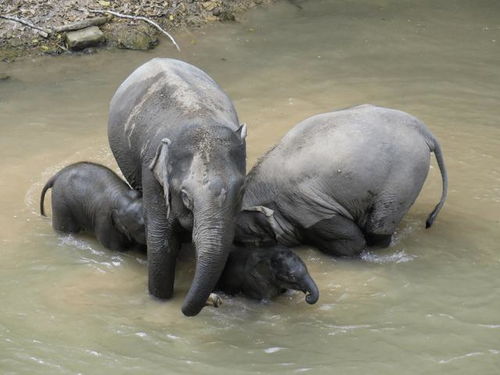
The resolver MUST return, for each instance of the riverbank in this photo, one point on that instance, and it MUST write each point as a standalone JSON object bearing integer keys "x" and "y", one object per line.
{"x": 45, "y": 18}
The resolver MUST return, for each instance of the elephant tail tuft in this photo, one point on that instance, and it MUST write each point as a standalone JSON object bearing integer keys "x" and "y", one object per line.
{"x": 444, "y": 175}
{"x": 47, "y": 186}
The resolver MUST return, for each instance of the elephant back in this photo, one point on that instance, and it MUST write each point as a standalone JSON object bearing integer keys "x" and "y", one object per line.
{"x": 170, "y": 89}
{"x": 156, "y": 101}
{"x": 338, "y": 162}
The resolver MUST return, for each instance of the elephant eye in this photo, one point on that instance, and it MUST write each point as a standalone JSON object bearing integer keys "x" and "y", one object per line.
{"x": 186, "y": 199}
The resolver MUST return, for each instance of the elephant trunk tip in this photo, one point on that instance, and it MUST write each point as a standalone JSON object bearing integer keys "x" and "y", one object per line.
{"x": 191, "y": 310}
{"x": 311, "y": 290}
{"x": 312, "y": 298}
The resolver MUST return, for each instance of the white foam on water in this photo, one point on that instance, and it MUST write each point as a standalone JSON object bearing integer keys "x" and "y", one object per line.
{"x": 273, "y": 349}
{"x": 397, "y": 257}
{"x": 70, "y": 240}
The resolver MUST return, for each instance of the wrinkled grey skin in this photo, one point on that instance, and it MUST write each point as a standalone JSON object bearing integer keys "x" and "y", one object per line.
{"x": 264, "y": 273}
{"x": 90, "y": 197}
{"x": 176, "y": 137}
{"x": 339, "y": 181}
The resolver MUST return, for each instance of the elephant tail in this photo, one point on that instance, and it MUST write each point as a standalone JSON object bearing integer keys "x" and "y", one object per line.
{"x": 47, "y": 186}
{"x": 444, "y": 175}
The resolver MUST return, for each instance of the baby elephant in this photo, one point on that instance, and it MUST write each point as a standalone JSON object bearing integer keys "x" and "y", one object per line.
{"x": 90, "y": 197}
{"x": 264, "y": 273}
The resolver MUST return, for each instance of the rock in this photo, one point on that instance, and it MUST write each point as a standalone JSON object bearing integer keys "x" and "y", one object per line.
{"x": 226, "y": 15}
{"x": 4, "y": 77}
{"x": 209, "y": 5}
{"x": 136, "y": 38}
{"x": 193, "y": 20}
{"x": 87, "y": 37}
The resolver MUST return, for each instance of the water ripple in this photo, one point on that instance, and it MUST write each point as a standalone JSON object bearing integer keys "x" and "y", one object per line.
{"x": 473, "y": 354}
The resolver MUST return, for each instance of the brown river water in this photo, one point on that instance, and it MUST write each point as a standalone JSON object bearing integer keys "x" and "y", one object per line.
{"x": 429, "y": 304}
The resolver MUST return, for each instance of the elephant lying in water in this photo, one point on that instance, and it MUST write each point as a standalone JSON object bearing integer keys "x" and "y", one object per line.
{"x": 339, "y": 181}
{"x": 90, "y": 197}
{"x": 264, "y": 273}
{"x": 176, "y": 137}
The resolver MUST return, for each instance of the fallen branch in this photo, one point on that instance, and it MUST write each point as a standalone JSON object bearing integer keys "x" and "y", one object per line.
{"x": 96, "y": 21}
{"x": 62, "y": 47}
{"x": 43, "y": 32}
{"x": 120, "y": 15}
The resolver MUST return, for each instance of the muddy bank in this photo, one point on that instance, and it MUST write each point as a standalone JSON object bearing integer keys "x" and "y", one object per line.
{"x": 47, "y": 34}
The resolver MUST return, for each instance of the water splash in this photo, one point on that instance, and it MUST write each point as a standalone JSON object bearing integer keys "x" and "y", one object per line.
{"x": 397, "y": 257}
{"x": 70, "y": 240}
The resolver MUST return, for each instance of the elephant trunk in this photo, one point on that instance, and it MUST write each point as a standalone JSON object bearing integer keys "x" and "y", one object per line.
{"x": 311, "y": 290}
{"x": 212, "y": 238}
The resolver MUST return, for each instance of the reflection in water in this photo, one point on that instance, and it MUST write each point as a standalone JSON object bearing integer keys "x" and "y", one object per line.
{"x": 427, "y": 304}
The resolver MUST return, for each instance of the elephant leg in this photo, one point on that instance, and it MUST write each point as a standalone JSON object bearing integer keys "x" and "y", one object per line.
{"x": 162, "y": 242}
{"x": 337, "y": 236}
{"x": 62, "y": 219}
{"x": 383, "y": 220}
{"x": 378, "y": 240}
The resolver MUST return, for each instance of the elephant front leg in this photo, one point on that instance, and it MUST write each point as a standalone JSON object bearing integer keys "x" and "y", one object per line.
{"x": 162, "y": 251}
{"x": 162, "y": 242}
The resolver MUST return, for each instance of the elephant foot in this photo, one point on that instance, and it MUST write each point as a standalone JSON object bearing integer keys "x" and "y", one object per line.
{"x": 213, "y": 300}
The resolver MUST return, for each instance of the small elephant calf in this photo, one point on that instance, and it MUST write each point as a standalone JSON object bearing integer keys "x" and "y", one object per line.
{"x": 264, "y": 273}
{"x": 90, "y": 197}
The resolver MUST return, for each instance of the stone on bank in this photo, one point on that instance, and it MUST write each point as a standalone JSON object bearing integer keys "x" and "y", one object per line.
{"x": 84, "y": 38}
{"x": 139, "y": 37}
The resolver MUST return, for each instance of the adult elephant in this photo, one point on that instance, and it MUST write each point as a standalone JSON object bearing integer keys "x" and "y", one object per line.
{"x": 340, "y": 181}
{"x": 176, "y": 137}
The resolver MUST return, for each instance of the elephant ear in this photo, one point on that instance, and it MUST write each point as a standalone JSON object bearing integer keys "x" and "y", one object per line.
{"x": 159, "y": 167}
{"x": 270, "y": 218}
{"x": 242, "y": 131}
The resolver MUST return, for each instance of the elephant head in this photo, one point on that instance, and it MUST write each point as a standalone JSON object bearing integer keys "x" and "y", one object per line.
{"x": 272, "y": 271}
{"x": 202, "y": 173}
{"x": 129, "y": 217}
{"x": 290, "y": 272}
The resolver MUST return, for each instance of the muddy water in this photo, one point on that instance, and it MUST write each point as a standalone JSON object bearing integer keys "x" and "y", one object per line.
{"x": 428, "y": 304}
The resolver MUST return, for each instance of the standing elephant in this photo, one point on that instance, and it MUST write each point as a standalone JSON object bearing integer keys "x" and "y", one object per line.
{"x": 176, "y": 137}
{"x": 340, "y": 181}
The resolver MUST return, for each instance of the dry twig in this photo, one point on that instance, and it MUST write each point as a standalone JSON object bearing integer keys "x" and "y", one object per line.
{"x": 96, "y": 21}
{"x": 43, "y": 32}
